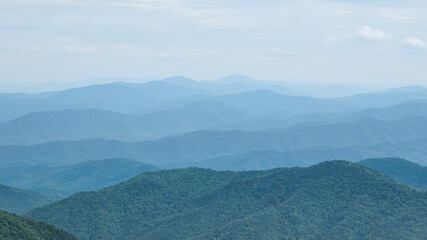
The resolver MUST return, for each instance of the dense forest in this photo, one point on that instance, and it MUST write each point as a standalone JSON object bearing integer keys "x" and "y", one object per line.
{"x": 331, "y": 200}
{"x": 401, "y": 170}
{"x": 15, "y": 227}
{"x": 219, "y": 120}
{"x": 18, "y": 200}
{"x": 55, "y": 183}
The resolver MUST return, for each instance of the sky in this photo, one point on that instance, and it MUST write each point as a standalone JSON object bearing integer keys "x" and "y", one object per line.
{"x": 365, "y": 42}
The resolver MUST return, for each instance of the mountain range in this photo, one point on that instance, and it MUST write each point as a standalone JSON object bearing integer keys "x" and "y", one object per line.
{"x": 54, "y": 183}
{"x": 186, "y": 111}
{"x": 235, "y": 158}
{"x": 258, "y": 160}
{"x": 331, "y": 200}
{"x": 174, "y": 92}
{"x": 19, "y": 201}
{"x": 361, "y": 135}
{"x": 77, "y": 124}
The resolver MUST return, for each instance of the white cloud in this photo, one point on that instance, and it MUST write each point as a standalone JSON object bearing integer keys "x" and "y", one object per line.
{"x": 367, "y": 34}
{"x": 415, "y": 43}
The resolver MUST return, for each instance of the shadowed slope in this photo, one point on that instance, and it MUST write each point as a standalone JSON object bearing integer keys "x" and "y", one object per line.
{"x": 15, "y": 227}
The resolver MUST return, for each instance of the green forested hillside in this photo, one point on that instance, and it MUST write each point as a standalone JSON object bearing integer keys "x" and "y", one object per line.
{"x": 402, "y": 170}
{"x": 331, "y": 200}
{"x": 13, "y": 227}
{"x": 18, "y": 201}
{"x": 60, "y": 182}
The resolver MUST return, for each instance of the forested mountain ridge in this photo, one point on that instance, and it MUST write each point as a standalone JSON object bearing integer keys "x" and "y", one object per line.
{"x": 394, "y": 112}
{"x": 385, "y": 98}
{"x": 77, "y": 124}
{"x": 399, "y": 169}
{"x": 156, "y": 109}
{"x": 258, "y": 160}
{"x": 331, "y": 200}
{"x": 60, "y": 182}
{"x": 14, "y": 227}
{"x": 171, "y": 93}
{"x": 204, "y": 145}
{"x": 116, "y": 96}
{"x": 18, "y": 200}
{"x": 402, "y": 170}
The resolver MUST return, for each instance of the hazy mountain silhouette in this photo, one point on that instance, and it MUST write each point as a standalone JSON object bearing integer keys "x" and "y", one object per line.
{"x": 203, "y": 145}
{"x": 60, "y": 182}
{"x": 92, "y": 123}
{"x": 19, "y": 201}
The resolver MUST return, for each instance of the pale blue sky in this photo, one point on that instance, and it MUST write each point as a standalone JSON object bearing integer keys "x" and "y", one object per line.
{"x": 362, "y": 42}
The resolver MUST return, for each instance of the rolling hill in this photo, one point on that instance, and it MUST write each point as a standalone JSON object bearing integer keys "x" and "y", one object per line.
{"x": 402, "y": 170}
{"x": 118, "y": 97}
{"x": 200, "y": 115}
{"x": 286, "y": 119}
{"x": 60, "y": 182}
{"x": 266, "y": 103}
{"x": 385, "y": 98}
{"x": 71, "y": 125}
{"x": 261, "y": 160}
{"x": 80, "y": 124}
{"x": 125, "y": 97}
{"x": 132, "y": 98}
{"x": 366, "y": 134}
{"x": 394, "y": 112}
{"x": 331, "y": 200}
{"x": 298, "y": 89}
{"x": 208, "y": 114}
{"x": 15, "y": 227}
{"x": 18, "y": 201}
